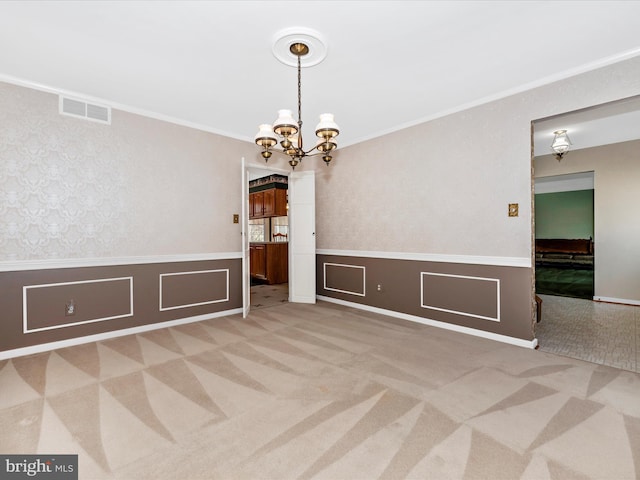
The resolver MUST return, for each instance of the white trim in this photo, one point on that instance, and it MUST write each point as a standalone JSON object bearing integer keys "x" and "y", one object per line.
{"x": 226, "y": 299}
{"x": 457, "y": 312}
{"x": 45, "y": 347}
{"x": 519, "y": 342}
{"x": 121, "y": 107}
{"x": 25, "y": 313}
{"x": 22, "y": 265}
{"x": 616, "y": 300}
{"x": 523, "y": 262}
{"x": 364, "y": 283}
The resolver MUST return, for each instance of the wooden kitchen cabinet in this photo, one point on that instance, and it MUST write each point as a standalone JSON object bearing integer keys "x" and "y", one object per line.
{"x": 257, "y": 261}
{"x": 256, "y": 205}
{"x": 268, "y": 203}
{"x": 269, "y": 262}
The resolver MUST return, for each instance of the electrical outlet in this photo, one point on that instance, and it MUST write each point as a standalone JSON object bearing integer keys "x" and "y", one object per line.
{"x": 70, "y": 309}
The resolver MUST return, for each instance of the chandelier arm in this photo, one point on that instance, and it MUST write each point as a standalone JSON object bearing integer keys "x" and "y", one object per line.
{"x": 309, "y": 154}
{"x": 301, "y": 155}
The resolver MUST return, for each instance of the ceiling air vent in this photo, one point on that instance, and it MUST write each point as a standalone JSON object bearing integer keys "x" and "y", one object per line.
{"x": 88, "y": 111}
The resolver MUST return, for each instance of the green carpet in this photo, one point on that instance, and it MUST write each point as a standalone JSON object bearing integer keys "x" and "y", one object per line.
{"x": 564, "y": 282}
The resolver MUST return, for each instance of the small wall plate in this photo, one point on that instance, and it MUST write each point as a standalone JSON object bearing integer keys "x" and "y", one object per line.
{"x": 513, "y": 209}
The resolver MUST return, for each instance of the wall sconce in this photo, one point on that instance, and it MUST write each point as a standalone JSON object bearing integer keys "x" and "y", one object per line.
{"x": 560, "y": 144}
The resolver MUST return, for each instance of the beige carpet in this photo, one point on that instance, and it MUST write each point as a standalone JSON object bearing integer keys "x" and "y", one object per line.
{"x": 323, "y": 392}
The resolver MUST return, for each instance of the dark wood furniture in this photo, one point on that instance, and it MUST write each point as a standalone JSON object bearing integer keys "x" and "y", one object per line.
{"x": 269, "y": 261}
{"x": 258, "y": 261}
{"x": 271, "y": 202}
{"x": 565, "y": 245}
{"x": 567, "y": 252}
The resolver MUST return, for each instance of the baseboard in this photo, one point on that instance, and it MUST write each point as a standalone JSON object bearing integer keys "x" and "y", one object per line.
{"x": 45, "y": 347}
{"x": 532, "y": 344}
{"x": 616, "y": 300}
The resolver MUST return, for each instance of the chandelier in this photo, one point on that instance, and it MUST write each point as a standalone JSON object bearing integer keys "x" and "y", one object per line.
{"x": 286, "y": 130}
{"x": 560, "y": 144}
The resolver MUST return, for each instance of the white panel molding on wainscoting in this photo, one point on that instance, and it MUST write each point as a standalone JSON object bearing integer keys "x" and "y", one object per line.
{"x": 523, "y": 262}
{"x": 519, "y": 342}
{"x": 22, "y": 265}
{"x": 496, "y": 281}
{"x": 25, "y": 311}
{"x": 197, "y": 272}
{"x": 364, "y": 283}
{"x": 45, "y": 347}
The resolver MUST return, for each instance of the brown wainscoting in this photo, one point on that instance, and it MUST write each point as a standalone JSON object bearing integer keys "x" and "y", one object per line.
{"x": 193, "y": 288}
{"x": 344, "y": 278}
{"x": 479, "y": 296}
{"x": 111, "y": 298}
{"x": 44, "y": 306}
{"x": 491, "y": 298}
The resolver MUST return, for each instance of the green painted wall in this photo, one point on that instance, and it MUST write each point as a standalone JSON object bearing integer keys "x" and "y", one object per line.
{"x": 564, "y": 214}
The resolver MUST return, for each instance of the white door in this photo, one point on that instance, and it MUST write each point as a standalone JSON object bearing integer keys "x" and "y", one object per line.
{"x": 302, "y": 237}
{"x": 246, "y": 271}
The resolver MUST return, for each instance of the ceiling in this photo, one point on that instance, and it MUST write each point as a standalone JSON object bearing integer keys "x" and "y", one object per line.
{"x": 389, "y": 64}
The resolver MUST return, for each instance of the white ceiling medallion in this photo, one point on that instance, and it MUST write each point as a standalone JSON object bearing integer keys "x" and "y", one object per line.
{"x": 283, "y": 40}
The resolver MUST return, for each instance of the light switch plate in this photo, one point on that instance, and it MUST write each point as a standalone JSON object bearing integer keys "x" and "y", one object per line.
{"x": 513, "y": 209}
{"x": 236, "y": 218}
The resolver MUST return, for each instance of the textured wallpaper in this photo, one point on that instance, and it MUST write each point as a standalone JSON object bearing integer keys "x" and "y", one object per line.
{"x": 76, "y": 189}
{"x": 71, "y": 188}
{"x": 444, "y": 186}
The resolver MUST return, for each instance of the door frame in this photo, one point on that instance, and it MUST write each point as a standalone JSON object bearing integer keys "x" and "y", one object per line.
{"x": 249, "y": 169}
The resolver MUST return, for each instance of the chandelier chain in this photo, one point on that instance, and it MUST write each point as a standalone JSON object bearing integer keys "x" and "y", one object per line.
{"x": 299, "y": 101}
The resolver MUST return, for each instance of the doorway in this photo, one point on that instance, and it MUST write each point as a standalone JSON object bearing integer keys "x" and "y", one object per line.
{"x": 268, "y": 230}
{"x": 564, "y": 235}
{"x": 600, "y": 327}
{"x": 300, "y": 241}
